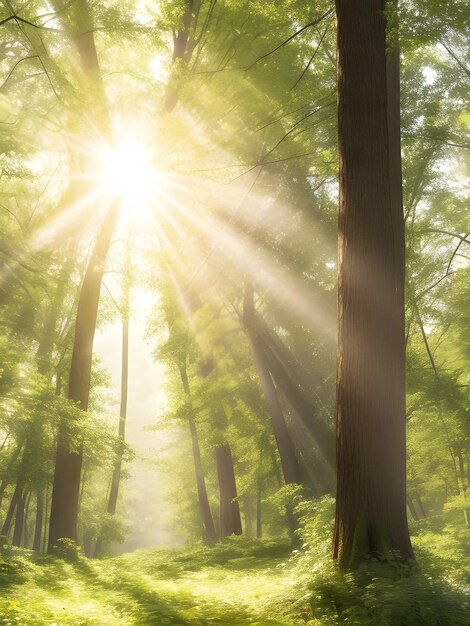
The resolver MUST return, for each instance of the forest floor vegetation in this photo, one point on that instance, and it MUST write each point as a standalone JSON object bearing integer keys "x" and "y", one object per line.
{"x": 244, "y": 582}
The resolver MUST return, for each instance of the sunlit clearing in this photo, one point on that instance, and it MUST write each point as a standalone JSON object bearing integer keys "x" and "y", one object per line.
{"x": 127, "y": 171}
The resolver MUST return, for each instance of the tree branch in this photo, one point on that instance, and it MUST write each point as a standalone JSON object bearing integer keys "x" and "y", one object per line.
{"x": 301, "y": 30}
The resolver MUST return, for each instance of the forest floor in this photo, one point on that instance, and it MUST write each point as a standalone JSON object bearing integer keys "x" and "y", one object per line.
{"x": 226, "y": 585}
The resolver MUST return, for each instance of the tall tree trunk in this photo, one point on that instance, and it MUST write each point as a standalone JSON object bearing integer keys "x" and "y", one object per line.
{"x": 304, "y": 409}
{"x": 39, "y": 520}
{"x": 45, "y": 535}
{"x": 230, "y": 522}
{"x": 259, "y": 520}
{"x": 78, "y": 24}
{"x": 412, "y": 508}
{"x": 421, "y": 508}
{"x": 26, "y": 525}
{"x": 66, "y": 487}
{"x": 113, "y": 492}
{"x": 371, "y": 474}
{"x": 11, "y": 463}
{"x": 15, "y": 499}
{"x": 204, "y": 506}
{"x": 116, "y": 478}
{"x": 248, "y": 514}
{"x": 289, "y": 462}
{"x": 19, "y": 521}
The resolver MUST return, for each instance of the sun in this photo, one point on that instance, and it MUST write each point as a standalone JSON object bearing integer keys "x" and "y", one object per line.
{"x": 126, "y": 170}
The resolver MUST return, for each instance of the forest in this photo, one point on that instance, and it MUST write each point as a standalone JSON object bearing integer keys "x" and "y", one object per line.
{"x": 234, "y": 313}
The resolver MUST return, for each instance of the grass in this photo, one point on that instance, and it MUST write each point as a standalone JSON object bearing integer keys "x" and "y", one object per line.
{"x": 242, "y": 582}
{"x": 238, "y": 583}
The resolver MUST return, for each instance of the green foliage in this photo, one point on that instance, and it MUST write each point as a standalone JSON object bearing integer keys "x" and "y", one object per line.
{"x": 394, "y": 594}
{"x": 67, "y": 550}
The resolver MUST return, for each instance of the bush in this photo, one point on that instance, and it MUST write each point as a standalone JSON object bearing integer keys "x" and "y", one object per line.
{"x": 390, "y": 593}
{"x": 67, "y": 550}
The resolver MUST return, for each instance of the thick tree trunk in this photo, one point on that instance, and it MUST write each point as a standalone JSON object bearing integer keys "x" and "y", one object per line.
{"x": 204, "y": 506}
{"x": 39, "y": 520}
{"x": 66, "y": 487}
{"x": 289, "y": 462}
{"x": 371, "y": 476}
{"x": 230, "y": 522}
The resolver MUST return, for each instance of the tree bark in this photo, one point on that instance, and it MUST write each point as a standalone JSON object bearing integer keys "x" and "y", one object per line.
{"x": 230, "y": 522}
{"x": 66, "y": 487}
{"x": 371, "y": 456}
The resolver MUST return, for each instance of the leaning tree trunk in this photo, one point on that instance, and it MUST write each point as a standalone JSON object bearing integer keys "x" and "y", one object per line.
{"x": 66, "y": 487}
{"x": 323, "y": 454}
{"x": 371, "y": 473}
{"x": 289, "y": 463}
{"x": 230, "y": 521}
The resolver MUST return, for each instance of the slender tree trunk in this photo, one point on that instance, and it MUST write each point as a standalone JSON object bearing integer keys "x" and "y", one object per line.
{"x": 66, "y": 487}
{"x": 26, "y": 525}
{"x": 204, "y": 506}
{"x": 411, "y": 506}
{"x": 19, "y": 521}
{"x": 323, "y": 437}
{"x": 289, "y": 462}
{"x": 230, "y": 522}
{"x": 39, "y": 520}
{"x": 116, "y": 478}
{"x": 45, "y": 535}
{"x": 15, "y": 499}
{"x": 371, "y": 473}
{"x": 113, "y": 492}
{"x": 421, "y": 508}
{"x": 14, "y": 457}
{"x": 248, "y": 515}
{"x": 259, "y": 520}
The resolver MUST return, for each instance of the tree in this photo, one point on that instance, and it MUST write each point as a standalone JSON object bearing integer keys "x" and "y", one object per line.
{"x": 68, "y": 464}
{"x": 371, "y": 453}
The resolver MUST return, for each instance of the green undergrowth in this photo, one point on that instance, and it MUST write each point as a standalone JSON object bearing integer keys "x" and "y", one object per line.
{"x": 243, "y": 582}
{"x": 230, "y": 584}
